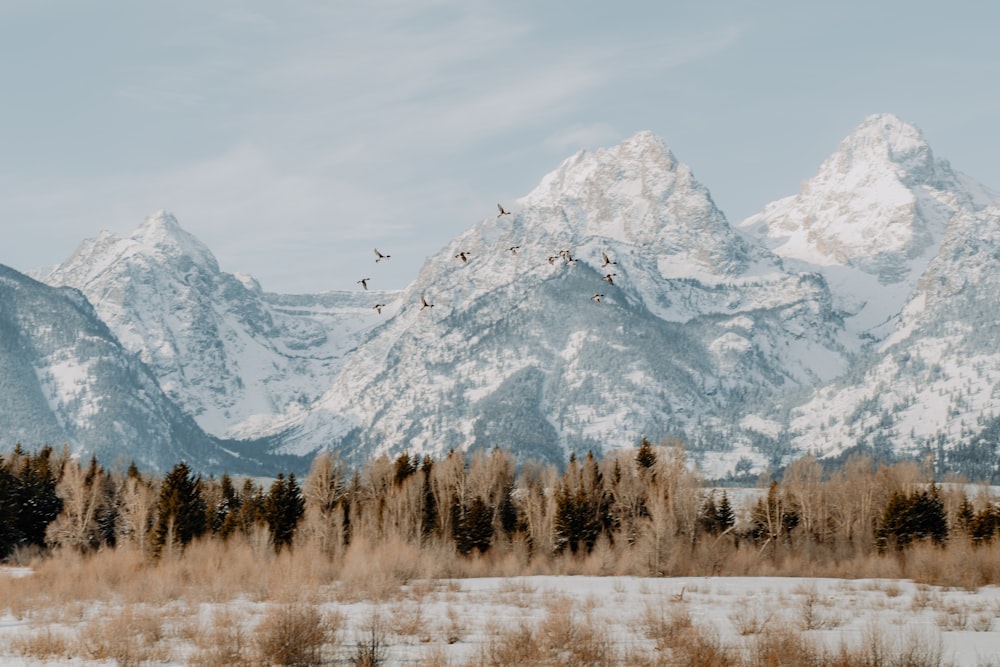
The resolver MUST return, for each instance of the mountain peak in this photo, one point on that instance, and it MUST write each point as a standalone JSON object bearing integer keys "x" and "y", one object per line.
{"x": 636, "y": 158}
{"x": 884, "y": 139}
{"x": 161, "y": 222}
{"x": 871, "y": 218}
{"x": 161, "y": 233}
{"x": 639, "y": 194}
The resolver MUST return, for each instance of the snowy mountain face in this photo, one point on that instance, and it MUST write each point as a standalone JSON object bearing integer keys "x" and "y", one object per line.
{"x": 934, "y": 380}
{"x": 615, "y": 302}
{"x": 694, "y": 326}
{"x": 912, "y": 251}
{"x": 871, "y": 220}
{"x": 229, "y": 354}
{"x": 66, "y": 380}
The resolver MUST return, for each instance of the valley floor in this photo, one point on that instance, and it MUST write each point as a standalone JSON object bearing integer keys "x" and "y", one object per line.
{"x": 533, "y": 620}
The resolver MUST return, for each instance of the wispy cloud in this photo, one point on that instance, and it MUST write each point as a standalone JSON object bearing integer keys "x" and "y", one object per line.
{"x": 581, "y": 136}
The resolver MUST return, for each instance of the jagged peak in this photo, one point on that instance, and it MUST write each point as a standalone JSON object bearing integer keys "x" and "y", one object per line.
{"x": 885, "y": 140}
{"x": 636, "y": 192}
{"x": 640, "y": 155}
{"x": 160, "y": 232}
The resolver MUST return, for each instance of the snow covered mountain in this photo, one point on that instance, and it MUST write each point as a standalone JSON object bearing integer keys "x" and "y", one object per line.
{"x": 911, "y": 248}
{"x": 695, "y": 325}
{"x": 616, "y": 301}
{"x": 871, "y": 219}
{"x": 933, "y": 382}
{"x": 228, "y": 353}
{"x": 66, "y": 380}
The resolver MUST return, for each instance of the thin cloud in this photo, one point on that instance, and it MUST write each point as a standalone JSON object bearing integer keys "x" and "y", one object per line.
{"x": 582, "y": 136}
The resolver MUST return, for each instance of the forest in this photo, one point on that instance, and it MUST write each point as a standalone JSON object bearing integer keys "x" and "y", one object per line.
{"x": 644, "y": 509}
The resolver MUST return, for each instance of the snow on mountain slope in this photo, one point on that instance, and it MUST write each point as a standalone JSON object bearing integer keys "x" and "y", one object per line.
{"x": 228, "y": 353}
{"x": 871, "y": 219}
{"x": 935, "y": 379}
{"x": 858, "y": 312}
{"x": 694, "y": 324}
{"x": 65, "y": 379}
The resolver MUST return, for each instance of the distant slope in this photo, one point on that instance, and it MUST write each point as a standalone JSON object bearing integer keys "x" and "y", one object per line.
{"x": 228, "y": 353}
{"x": 858, "y": 312}
{"x": 65, "y": 380}
{"x": 696, "y": 327}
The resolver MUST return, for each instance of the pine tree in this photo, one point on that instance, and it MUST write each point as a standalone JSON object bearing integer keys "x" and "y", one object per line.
{"x": 429, "y": 511}
{"x": 708, "y": 516}
{"x": 180, "y": 510}
{"x": 403, "y": 468}
{"x": 915, "y": 517}
{"x": 646, "y": 456}
{"x": 38, "y": 502}
{"x": 227, "y": 506}
{"x": 10, "y": 536}
{"x": 475, "y": 527}
{"x": 283, "y": 509}
{"x": 984, "y": 525}
{"x": 725, "y": 517}
{"x": 965, "y": 516}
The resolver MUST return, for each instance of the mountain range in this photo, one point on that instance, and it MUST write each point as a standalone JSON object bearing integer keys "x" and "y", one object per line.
{"x": 616, "y": 302}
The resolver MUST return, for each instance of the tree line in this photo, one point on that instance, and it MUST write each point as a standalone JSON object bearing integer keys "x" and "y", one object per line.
{"x": 646, "y": 504}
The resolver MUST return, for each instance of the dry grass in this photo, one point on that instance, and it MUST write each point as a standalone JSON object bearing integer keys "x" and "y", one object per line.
{"x": 750, "y": 617}
{"x": 563, "y": 638}
{"x": 225, "y": 642}
{"x": 131, "y": 636}
{"x": 296, "y": 634}
{"x": 665, "y": 624}
{"x": 44, "y": 644}
{"x": 372, "y": 646}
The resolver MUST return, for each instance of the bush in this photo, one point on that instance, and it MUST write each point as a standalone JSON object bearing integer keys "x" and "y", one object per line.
{"x": 295, "y": 634}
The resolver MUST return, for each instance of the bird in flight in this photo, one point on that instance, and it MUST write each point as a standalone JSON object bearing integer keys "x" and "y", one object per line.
{"x": 363, "y": 282}
{"x": 424, "y": 304}
{"x": 502, "y": 211}
{"x": 513, "y": 249}
{"x": 462, "y": 256}
{"x": 596, "y": 298}
{"x": 607, "y": 262}
{"x": 378, "y": 307}
{"x": 609, "y": 277}
{"x": 379, "y": 256}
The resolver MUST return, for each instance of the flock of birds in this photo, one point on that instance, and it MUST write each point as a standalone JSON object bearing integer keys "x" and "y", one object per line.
{"x": 463, "y": 256}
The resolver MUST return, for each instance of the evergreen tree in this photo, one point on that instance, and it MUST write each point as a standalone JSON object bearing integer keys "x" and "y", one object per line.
{"x": 37, "y": 501}
{"x": 227, "y": 505}
{"x": 906, "y": 519}
{"x": 475, "y": 527}
{"x": 965, "y": 516}
{"x": 429, "y": 511}
{"x": 404, "y": 467}
{"x": 983, "y": 525}
{"x": 646, "y": 456}
{"x": 708, "y": 516}
{"x": 180, "y": 510}
{"x": 725, "y": 517}
{"x": 251, "y": 509}
{"x": 930, "y": 519}
{"x": 576, "y": 522}
{"x": 10, "y": 536}
{"x": 283, "y": 509}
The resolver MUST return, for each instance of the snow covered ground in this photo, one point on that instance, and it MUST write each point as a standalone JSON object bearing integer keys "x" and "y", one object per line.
{"x": 457, "y": 622}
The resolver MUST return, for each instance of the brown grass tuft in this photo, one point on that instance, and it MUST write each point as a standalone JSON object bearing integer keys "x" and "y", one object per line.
{"x": 295, "y": 634}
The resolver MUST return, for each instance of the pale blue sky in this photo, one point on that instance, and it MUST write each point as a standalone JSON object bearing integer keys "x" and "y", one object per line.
{"x": 293, "y": 137}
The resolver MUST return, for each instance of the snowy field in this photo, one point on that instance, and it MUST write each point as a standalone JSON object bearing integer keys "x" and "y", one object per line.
{"x": 460, "y": 622}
